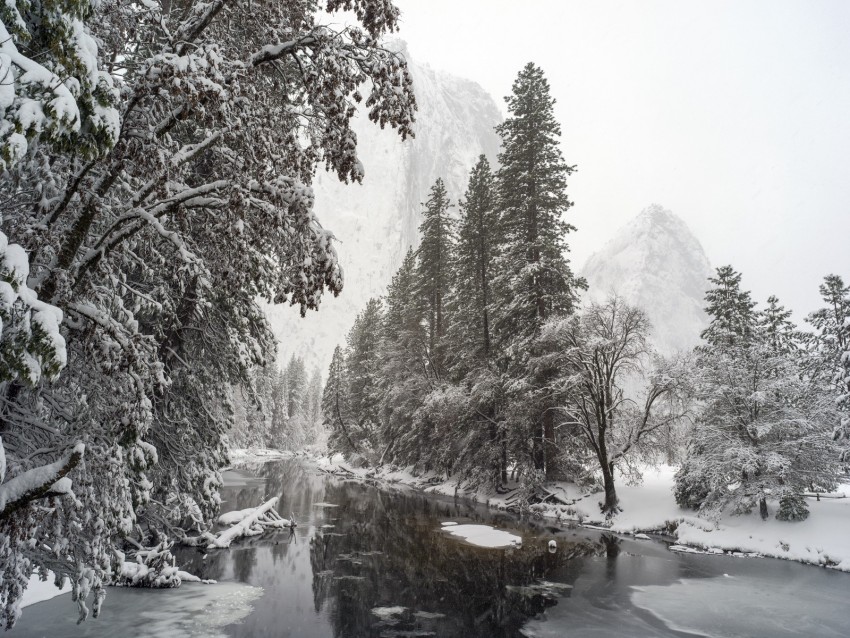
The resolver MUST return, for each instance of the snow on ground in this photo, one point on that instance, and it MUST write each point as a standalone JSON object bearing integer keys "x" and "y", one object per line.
{"x": 482, "y": 535}
{"x": 39, "y": 590}
{"x": 821, "y": 539}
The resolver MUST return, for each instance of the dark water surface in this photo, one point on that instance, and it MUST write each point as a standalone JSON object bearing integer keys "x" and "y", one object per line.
{"x": 368, "y": 562}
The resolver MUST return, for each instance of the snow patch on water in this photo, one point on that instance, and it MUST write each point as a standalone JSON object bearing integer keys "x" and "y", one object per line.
{"x": 483, "y": 535}
{"x": 385, "y": 613}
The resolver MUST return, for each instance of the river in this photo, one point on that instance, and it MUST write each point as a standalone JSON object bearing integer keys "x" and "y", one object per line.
{"x": 374, "y": 562}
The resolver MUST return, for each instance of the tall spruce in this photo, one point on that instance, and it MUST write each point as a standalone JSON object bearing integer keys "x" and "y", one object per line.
{"x": 733, "y": 318}
{"x": 362, "y": 364}
{"x": 405, "y": 371}
{"x": 831, "y": 351}
{"x": 534, "y": 280}
{"x": 470, "y": 298}
{"x": 776, "y": 327}
{"x": 433, "y": 270}
{"x": 335, "y": 408}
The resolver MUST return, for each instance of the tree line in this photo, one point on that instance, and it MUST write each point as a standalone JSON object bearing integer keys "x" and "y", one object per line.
{"x": 480, "y": 361}
{"x": 280, "y": 409}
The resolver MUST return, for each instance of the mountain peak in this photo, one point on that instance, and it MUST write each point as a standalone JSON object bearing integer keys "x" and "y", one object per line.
{"x": 657, "y": 263}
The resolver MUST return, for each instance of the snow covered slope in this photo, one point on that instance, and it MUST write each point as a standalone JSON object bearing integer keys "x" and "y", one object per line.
{"x": 377, "y": 221}
{"x": 655, "y": 262}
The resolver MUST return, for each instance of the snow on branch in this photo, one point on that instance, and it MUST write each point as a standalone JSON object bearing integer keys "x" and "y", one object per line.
{"x": 39, "y": 482}
{"x": 272, "y": 52}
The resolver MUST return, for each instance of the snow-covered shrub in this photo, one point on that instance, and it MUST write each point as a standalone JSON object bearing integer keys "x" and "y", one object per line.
{"x": 792, "y": 507}
{"x": 691, "y": 487}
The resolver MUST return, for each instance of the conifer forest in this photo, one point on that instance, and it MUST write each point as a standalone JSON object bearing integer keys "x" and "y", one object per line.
{"x": 286, "y": 313}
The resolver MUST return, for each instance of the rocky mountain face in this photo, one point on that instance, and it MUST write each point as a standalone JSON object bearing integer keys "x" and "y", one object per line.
{"x": 377, "y": 221}
{"x": 655, "y": 262}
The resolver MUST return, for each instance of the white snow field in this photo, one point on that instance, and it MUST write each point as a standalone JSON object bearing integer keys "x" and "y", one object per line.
{"x": 39, "y": 590}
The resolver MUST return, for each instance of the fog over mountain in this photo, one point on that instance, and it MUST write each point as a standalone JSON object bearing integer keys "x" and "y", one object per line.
{"x": 655, "y": 262}
{"x": 378, "y": 220}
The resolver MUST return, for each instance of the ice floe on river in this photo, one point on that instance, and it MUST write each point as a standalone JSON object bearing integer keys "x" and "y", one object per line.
{"x": 482, "y": 535}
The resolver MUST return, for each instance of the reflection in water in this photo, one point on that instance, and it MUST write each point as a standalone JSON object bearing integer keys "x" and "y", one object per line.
{"x": 389, "y": 552}
{"x": 364, "y": 562}
{"x": 385, "y": 550}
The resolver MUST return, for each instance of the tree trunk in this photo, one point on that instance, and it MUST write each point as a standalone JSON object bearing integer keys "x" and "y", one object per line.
{"x": 549, "y": 448}
{"x": 537, "y": 447}
{"x": 504, "y": 444}
{"x": 763, "y": 508}
{"x": 610, "y": 507}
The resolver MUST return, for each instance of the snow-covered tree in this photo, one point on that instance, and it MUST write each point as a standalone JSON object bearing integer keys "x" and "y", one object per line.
{"x": 776, "y": 327}
{"x": 469, "y": 332}
{"x": 362, "y": 372}
{"x": 156, "y": 231}
{"x": 533, "y": 279}
{"x": 433, "y": 259}
{"x": 762, "y": 430}
{"x": 335, "y": 408}
{"x": 53, "y": 88}
{"x": 830, "y": 352}
{"x": 731, "y": 310}
{"x": 406, "y": 372}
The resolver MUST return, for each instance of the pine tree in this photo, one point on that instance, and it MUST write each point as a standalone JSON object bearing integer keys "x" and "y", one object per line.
{"x": 313, "y": 407}
{"x": 731, "y": 310}
{"x": 762, "y": 428}
{"x": 776, "y": 327}
{"x": 296, "y": 382}
{"x": 830, "y": 350}
{"x": 335, "y": 410}
{"x": 470, "y": 297}
{"x": 406, "y": 375}
{"x": 534, "y": 280}
{"x": 362, "y": 363}
{"x": 433, "y": 270}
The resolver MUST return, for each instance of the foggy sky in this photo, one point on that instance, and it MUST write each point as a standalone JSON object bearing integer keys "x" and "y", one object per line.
{"x": 734, "y": 115}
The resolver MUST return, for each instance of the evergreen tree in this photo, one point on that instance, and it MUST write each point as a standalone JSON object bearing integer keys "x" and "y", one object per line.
{"x": 335, "y": 409}
{"x": 470, "y": 297}
{"x": 776, "y": 327}
{"x": 296, "y": 386}
{"x": 731, "y": 310}
{"x": 762, "y": 429}
{"x": 830, "y": 350}
{"x": 433, "y": 270}
{"x": 313, "y": 408}
{"x": 362, "y": 364}
{"x": 534, "y": 280}
{"x": 406, "y": 374}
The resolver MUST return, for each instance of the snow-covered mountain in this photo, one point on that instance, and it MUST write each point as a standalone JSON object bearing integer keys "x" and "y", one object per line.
{"x": 655, "y": 262}
{"x": 377, "y": 221}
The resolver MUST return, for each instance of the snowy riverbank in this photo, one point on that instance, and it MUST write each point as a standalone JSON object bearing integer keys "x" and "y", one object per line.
{"x": 649, "y": 508}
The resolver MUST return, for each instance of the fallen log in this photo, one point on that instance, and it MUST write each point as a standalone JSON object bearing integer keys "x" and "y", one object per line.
{"x": 248, "y": 522}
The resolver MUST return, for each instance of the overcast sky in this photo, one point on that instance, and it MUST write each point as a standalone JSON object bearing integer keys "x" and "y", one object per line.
{"x": 734, "y": 115}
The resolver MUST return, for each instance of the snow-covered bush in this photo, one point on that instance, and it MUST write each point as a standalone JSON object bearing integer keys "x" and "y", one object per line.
{"x": 792, "y": 507}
